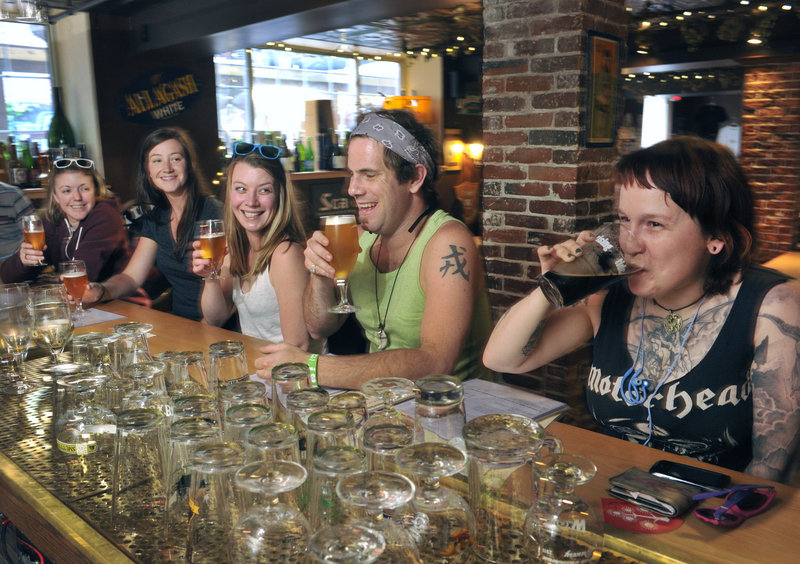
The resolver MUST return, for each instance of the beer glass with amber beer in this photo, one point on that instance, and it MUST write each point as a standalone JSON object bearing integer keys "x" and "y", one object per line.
{"x": 33, "y": 233}
{"x": 211, "y": 234}
{"x": 73, "y": 274}
{"x": 342, "y": 232}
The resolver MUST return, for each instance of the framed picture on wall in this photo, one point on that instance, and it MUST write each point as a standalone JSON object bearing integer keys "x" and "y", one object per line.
{"x": 602, "y": 88}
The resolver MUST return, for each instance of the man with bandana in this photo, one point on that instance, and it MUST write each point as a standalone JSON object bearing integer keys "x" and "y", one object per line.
{"x": 418, "y": 279}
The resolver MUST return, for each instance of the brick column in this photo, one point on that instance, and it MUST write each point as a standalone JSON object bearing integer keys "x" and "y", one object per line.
{"x": 540, "y": 182}
{"x": 771, "y": 152}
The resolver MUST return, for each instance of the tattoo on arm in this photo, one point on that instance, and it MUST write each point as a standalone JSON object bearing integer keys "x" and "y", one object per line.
{"x": 455, "y": 261}
{"x": 533, "y": 340}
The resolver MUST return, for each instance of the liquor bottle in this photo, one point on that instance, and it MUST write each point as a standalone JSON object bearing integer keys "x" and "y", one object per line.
{"x": 35, "y": 172}
{"x": 339, "y": 161}
{"x": 17, "y": 173}
{"x": 287, "y": 159}
{"x": 60, "y": 133}
{"x": 43, "y": 166}
{"x": 309, "y": 161}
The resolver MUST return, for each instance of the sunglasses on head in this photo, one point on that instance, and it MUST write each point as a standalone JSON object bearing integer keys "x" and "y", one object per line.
{"x": 82, "y": 163}
{"x": 267, "y": 151}
{"x": 741, "y": 503}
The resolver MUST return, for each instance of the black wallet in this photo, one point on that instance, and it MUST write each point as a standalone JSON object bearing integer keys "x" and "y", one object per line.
{"x": 654, "y": 493}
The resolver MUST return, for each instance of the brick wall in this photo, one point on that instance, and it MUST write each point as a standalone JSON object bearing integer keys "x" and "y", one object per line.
{"x": 771, "y": 152}
{"x": 540, "y": 183}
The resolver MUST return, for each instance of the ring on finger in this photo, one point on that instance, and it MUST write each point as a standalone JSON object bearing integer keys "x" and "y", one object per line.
{"x": 313, "y": 269}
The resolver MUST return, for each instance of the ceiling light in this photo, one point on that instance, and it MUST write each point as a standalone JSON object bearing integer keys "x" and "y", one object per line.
{"x": 644, "y": 25}
{"x": 663, "y": 24}
{"x": 679, "y": 18}
{"x": 762, "y": 8}
{"x": 687, "y": 13}
{"x": 460, "y": 38}
{"x": 755, "y": 39}
{"x": 744, "y": 2}
{"x": 786, "y": 7}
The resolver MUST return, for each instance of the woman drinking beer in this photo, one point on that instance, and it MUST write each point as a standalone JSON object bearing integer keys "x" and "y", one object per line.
{"x": 80, "y": 221}
{"x": 172, "y": 188}
{"x": 696, "y": 353}
{"x": 262, "y": 277}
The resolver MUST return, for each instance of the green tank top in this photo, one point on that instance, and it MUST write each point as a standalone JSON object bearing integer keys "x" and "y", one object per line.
{"x": 404, "y": 316}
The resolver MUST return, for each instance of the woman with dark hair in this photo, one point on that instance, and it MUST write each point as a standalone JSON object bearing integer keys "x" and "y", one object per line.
{"x": 696, "y": 352}
{"x": 262, "y": 276}
{"x": 171, "y": 187}
{"x": 82, "y": 221}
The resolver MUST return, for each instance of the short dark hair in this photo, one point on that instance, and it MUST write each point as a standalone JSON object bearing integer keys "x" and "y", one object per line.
{"x": 404, "y": 170}
{"x": 196, "y": 185}
{"x": 703, "y": 179}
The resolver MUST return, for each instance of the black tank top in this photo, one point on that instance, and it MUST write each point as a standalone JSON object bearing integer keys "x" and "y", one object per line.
{"x": 708, "y": 413}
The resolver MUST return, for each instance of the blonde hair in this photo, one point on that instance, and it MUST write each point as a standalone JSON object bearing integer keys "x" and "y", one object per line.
{"x": 285, "y": 225}
{"x": 51, "y": 211}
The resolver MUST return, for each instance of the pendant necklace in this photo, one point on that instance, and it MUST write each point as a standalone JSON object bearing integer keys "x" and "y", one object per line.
{"x": 383, "y": 338}
{"x": 672, "y": 321}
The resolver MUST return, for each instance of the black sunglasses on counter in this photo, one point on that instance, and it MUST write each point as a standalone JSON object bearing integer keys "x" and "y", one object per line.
{"x": 267, "y": 151}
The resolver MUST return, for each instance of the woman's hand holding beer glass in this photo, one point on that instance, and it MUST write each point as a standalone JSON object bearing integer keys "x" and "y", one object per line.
{"x": 31, "y": 251}
{"x": 333, "y": 253}
{"x": 209, "y": 248}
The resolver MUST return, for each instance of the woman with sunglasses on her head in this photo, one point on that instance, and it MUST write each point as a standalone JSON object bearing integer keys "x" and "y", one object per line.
{"x": 262, "y": 276}
{"x": 82, "y": 221}
{"x": 167, "y": 180}
{"x": 696, "y": 353}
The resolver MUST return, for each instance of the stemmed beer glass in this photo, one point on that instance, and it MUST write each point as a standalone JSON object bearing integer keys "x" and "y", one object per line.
{"x": 211, "y": 233}
{"x": 33, "y": 233}
{"x": 73, "y": 273}
{"x": 342, "y": 232}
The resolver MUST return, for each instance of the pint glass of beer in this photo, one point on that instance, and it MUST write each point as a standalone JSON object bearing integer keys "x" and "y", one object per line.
{"x": 211, "y": 234}
{"x": 73, "y": 274}
{"x": 342, "y": 232}
{"x": 33, "y": 232}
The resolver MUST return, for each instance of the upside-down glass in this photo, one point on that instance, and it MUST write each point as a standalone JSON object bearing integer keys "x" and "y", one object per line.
{"x": 287, "y": 378}
{"x": 76, "y": 279}
{"x": 11, "y": 379}
{"x": 213, "y": 500}
{"x": 383, "y": 437}
{"x": 140, "y": 468}
{"x": 272, "y": 441}
{"x": 242, "y": 417}
{"x": 329, "y": 465}
{"x": 211, "y": 234}
{"x": 129, "y": 344}
{"x": 272, "y": 531}
{"x": 227, "y": 364}
{"x": 329, "y": 427}
{"x": 342, "y": 232}
{"x": 439, "y": 520}
{"x": 439, "y": 409}
{"x": 346, "y": 544}
{"x": 372, "y": 494}
{"x": 192, "y": 366}
{"x": 501, "y": 451}
{"x": 300, "y": 404}
{"x": 560, "y": 526}
{"x": 601, "y": 262}
{"x": 245, "y": 391}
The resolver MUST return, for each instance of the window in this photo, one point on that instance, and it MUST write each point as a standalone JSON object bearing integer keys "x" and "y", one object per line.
{"x": 265, "y": 90}
{"x": 25, "y": 88}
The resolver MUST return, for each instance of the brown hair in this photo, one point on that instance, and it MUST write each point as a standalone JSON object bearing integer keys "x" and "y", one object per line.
{"x": 51, "y": 211}
{"x": 285, "y": 225}
{"x": 704, "y": 180}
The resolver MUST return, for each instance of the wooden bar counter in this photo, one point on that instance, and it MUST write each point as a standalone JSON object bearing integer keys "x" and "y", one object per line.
{"x": 65, "y": 537}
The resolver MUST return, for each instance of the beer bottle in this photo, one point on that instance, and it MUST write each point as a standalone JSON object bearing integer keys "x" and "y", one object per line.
{"x": 27, "y": 163}
{"x": 309, "y": 160}
{"x": 300, "y": 156}
{"x": 35, "y": 171}
{"x": 18, "y": 174}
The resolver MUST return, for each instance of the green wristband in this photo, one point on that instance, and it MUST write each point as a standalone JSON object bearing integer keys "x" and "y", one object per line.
{"x": 312, "y": 369}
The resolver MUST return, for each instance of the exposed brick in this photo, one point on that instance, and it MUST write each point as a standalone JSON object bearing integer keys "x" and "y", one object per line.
{"x": 552, "y": 137}
{"x": 529, "y": 83}
{"x": 504, "y": 203}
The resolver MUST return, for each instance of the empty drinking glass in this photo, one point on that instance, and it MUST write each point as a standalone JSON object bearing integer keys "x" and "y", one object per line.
{"x": 227, "y": 363}
{"x": 286, "y": 378}
{"x": 329, "y": 465}
{"x": 272, "y": 441}
{"x": 346, "y": 544}
{"x": 329, "y": 427}
{"x": 439, "y": 409}
{"x": 240, "y": 418}
{"x": 247, "y": 391}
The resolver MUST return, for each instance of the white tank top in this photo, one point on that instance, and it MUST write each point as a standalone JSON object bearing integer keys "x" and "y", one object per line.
{"x": 258, "y": 312}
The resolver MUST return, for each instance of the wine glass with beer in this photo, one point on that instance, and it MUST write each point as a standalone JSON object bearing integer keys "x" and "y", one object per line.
{"x": 342, "y": 232}
{"x": 33, "y": 233}
{"x": 73, "y": 274}
{"x": 211, "y": 234}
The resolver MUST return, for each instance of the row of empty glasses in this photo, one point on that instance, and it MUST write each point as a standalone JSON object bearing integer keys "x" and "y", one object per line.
{"x": 194, "y": 461}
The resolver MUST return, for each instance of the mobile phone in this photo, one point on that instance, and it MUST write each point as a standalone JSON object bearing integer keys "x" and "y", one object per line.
{"x": 705, "y": 479}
